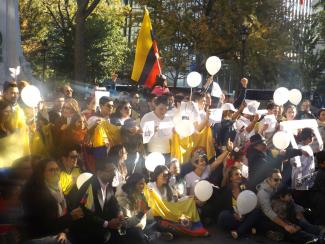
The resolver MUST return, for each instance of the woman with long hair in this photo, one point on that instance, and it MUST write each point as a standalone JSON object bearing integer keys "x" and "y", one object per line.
{"x": 140, "y": 227}
{"x": 122, "y": 113}
{"x": 229, "y": 218}
{"x": 5, "y": 123}
{"x": 118, "y": 154}
{"x": 46, "y": 217}
{"x": 180, "y": 215}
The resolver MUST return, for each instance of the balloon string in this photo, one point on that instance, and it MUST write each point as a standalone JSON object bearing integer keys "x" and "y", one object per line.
{"x": 214, "y": 186}
{"x": 191, "y": 95}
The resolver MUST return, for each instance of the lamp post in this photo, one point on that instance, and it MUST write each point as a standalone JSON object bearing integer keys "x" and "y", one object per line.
{"x": 244, "y": 32}
{"x": 44, "y": 46}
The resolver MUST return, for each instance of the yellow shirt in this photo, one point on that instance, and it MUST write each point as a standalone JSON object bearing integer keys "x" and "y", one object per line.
{"x": 68, "y": 180}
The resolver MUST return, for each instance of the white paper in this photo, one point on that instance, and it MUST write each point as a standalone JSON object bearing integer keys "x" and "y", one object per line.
{"x": 99, "y": 94}
{"x": 271, "y": 121}
{"x": 261, "y": 112}
{"x": 148, "y": 131}
{"x": 216, "y": 115}
{"x": 189, "y": 111}
{"x": 252, "y": 105}
{"x": 216, "y": 90}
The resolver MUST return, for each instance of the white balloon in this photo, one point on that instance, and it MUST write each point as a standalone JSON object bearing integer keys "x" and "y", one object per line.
{"x": 213, "y": 65}
{"x": 82, "y": 179}
{"x": 185, "y": 128}
{"x": 281, "y": 96}
{"x": 295, "y": 96}
{"x": 246, "y": 202}
{"x": 31, "y": 96}
{"x": 153, "y": 160}
{"x": 281, "y": 140}
{"x": 194, "y": 79}
{"x": 203, "y": 190}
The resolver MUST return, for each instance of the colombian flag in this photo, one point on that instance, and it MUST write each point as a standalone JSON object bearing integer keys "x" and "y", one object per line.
{"x": 146, "y": 64}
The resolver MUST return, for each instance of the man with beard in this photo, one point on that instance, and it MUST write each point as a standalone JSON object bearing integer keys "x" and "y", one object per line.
{"x": 11, "y": 95}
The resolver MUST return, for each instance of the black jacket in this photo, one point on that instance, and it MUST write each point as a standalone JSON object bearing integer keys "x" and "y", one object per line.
{"x": 41, "y": 212}
{"x": 90, "y": 229}
{"x": 260, "y": 164}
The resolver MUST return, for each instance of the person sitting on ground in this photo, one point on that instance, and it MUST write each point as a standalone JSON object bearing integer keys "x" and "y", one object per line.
{"x": 171, "y": 212}
{"x": 230, "y": 219}
{"x": 46, "y": 217}
{"x": 134, "y": 206}
{"x": 286, "y": 209}
{"x": 270, "y": 222}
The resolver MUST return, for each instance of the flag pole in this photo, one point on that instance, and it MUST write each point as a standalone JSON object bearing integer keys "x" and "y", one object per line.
{"x": 157, "y": 57}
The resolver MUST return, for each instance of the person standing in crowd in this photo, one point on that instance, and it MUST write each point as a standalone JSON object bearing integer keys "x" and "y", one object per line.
{"x": 321, "y": 123}
{"x": 46, "y": 218}
{"x": 229, "y": 218}
{"x": 160, "y": 86}
{"x": 5, "y": 123}
{"x": 268, "y": 125}
{"x": 75, "y": 133}
{"x": 245, "y": 126}
{"x": 122, "y": 113}
{"x": 135, "y": 102}
{"x": 90, "y": 107}
{"x": 106, "y": 106}
{"x": 103, "y": 217}
{"x": 56, "y": 112}
{"x": 159, "y": 142}
{"x": 11, "y": 96}
{"x": 148, "y": 105}
{"x": 290, "y": 112}
{"x": 305, "y": 166}
{"x": 305, "y": 112}
{"x": 67, "y": 91}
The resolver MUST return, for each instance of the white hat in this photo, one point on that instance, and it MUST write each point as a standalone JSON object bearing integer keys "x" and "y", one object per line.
{"x": 246, "y": 111}
{"x": 228, "y": 106}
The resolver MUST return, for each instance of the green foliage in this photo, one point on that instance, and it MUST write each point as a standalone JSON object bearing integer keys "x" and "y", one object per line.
{"x": 54, "y": 21}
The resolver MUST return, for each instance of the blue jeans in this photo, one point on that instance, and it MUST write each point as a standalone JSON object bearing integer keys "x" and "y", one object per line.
{"x": 227, "y": 221}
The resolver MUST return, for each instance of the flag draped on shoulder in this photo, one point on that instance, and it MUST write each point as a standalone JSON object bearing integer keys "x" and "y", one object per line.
{"x": 146, "y": 63}
{"x": 184, "y": 148}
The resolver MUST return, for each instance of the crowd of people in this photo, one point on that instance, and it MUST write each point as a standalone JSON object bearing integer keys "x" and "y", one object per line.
{"x": 45, "y": 150}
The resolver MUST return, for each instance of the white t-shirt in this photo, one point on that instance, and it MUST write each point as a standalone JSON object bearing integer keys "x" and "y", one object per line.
{"x": 191, "y": 179}
{"x": 159, "y": 142}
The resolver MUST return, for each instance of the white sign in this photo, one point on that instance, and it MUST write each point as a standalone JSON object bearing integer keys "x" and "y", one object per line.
{"x": 252, "y": 105}
{"x": 215, "y": 116}
{"x": 148, "y": 131}
{"x": 216, "y": 90}
{"x": 271, "y": 121}
{"x": 99, "y": 94}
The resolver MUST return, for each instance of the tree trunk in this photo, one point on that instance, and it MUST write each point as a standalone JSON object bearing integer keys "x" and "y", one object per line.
{"x": 79, "y": 48}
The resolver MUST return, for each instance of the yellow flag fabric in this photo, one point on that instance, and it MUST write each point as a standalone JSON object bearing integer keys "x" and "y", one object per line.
{"x": 171, "y": 211}
{"x": 106, "y": 132}
{"x": 11, "y": 148}
{"x": 67, "y": 180}
{"x": 144, "y": 44}
{"x": 183, "y": 148}
{"x": 42, "y": 141}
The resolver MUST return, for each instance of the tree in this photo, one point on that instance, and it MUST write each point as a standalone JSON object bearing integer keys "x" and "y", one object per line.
{"x": 189, "y": 31}
{"x": 54, "y": 20}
